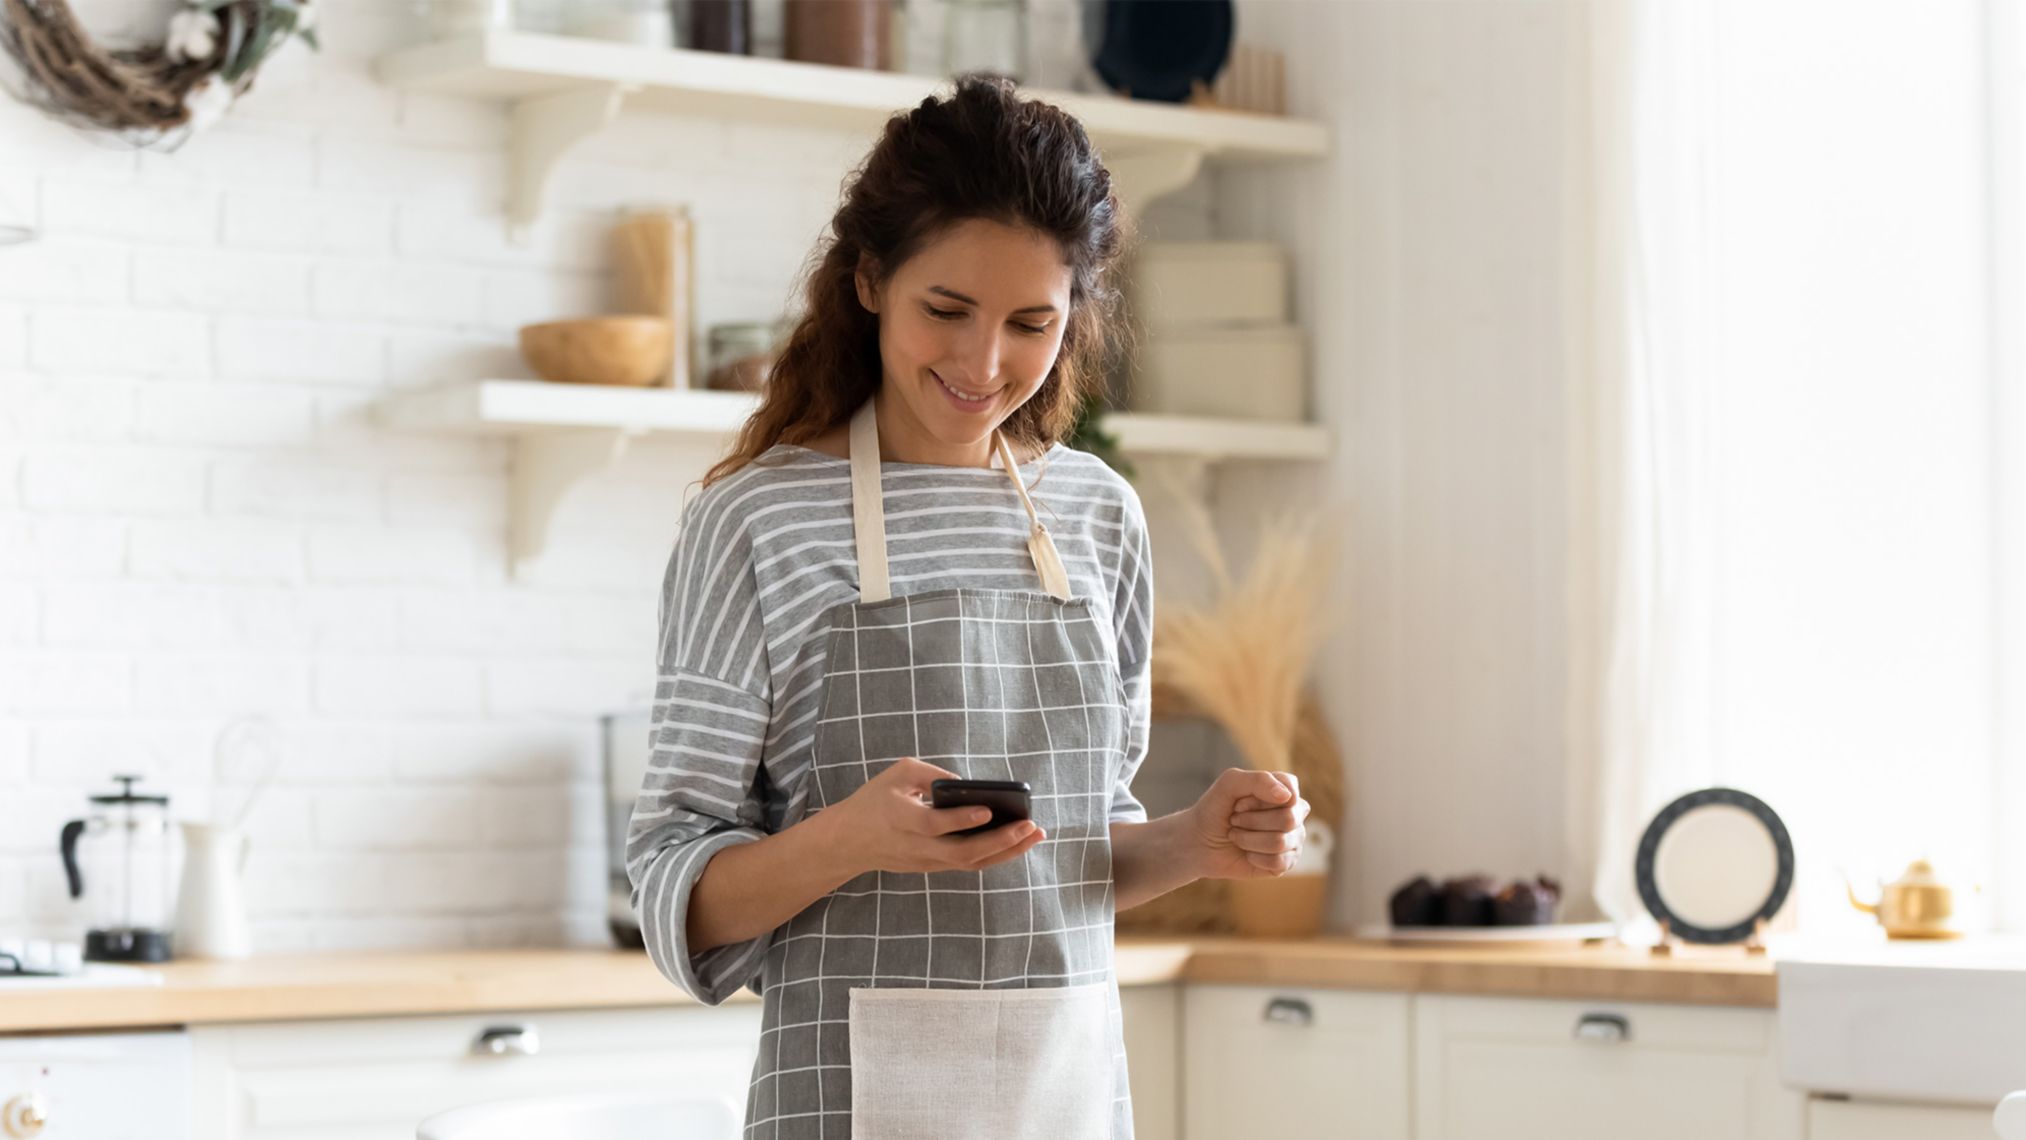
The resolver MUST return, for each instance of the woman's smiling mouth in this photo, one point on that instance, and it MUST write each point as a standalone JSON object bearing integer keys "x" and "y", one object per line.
{"x": 963, "y": 400}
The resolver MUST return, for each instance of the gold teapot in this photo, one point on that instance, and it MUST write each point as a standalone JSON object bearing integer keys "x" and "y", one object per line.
{"x": 1915, "y": 905}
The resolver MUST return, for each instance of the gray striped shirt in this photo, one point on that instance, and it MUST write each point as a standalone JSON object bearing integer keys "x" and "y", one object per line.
{"x": 761, "y": 560}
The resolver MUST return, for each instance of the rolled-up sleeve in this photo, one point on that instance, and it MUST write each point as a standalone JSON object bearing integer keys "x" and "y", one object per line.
{"x": 1133, "y": 615}
{"x": 703, "y": 790}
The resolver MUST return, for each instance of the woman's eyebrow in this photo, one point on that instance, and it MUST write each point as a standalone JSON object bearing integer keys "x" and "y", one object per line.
{"x": 953, "y": 295}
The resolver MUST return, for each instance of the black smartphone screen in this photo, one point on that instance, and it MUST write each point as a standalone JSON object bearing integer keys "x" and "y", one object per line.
{"x": 1010, "y": 800}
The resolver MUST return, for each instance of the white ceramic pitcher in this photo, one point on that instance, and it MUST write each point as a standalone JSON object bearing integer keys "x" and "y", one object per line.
{"x": 211, "y": 907}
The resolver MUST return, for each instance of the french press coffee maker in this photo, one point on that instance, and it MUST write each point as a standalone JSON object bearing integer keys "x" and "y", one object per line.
{"x": 121, "y": 853}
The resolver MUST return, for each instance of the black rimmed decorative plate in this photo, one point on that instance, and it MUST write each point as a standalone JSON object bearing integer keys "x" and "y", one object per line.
{"x": 1714, "y": 863}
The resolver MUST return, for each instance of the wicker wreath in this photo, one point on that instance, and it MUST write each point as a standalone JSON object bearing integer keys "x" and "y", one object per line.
{"x": 156, "y": 91}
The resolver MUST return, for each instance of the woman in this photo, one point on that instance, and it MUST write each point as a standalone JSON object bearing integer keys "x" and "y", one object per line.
{"x": 860, "y": 602}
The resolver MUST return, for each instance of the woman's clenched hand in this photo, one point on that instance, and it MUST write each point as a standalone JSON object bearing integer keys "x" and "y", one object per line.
{"x": 1249, "y": 824}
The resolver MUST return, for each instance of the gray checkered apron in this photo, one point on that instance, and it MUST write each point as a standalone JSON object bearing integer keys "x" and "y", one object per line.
{"x": 957, "y": 1003}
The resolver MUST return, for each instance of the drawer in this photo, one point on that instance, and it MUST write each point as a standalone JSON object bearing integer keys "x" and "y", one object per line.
{"x": 369, "y": 1079}
{"x": 1526, "y": 1069}
{"x": 1267, "y": 1061}
{"x": 1861, "y": 1120}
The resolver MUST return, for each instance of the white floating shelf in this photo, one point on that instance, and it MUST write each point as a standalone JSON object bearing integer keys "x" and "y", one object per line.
{"x": 516, "y": 407}
{"x": 567, "y": 432}
{"x": 565, "y": 87}
{"x": 522, "y": 407}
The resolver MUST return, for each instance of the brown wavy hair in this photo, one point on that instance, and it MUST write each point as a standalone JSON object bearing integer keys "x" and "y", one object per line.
{"x": 983, "y": 152}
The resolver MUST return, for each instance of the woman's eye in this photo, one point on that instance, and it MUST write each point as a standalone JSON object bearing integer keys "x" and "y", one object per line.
{"x": 960, "y": 314}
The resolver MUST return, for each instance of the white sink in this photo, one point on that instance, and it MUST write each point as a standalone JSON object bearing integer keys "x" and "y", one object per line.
{"x": 1941, "y": 1022}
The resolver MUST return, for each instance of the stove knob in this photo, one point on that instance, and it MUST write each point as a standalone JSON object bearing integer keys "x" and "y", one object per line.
{"x": 24, "y": 1116}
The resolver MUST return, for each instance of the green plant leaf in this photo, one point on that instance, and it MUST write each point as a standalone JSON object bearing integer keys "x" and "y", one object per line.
{"x": 1088, "y": 434}
{"x": 263, "y": 40}
{"x": 234, "y": 18}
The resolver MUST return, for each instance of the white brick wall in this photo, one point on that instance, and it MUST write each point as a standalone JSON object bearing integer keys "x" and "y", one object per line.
{"x": 199, "y": 519}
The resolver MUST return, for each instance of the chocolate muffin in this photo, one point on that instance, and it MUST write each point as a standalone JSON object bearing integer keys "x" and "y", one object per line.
{"x": 1416, "y": 903}
{"x": 1524, "y": 903}
{"x": 1467, "y": 901}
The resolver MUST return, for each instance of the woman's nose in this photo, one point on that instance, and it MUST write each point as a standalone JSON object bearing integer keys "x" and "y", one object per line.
{"x": 981, "y": 357}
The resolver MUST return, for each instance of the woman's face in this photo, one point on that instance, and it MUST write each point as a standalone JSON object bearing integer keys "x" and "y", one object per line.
{"x": 968, "y": 329}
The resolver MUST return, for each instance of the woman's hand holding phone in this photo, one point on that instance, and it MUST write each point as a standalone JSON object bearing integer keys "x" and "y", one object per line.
{"x": 888, "y": 825}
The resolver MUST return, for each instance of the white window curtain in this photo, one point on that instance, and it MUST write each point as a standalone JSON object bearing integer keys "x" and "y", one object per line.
{"x": 1789, "y": 489}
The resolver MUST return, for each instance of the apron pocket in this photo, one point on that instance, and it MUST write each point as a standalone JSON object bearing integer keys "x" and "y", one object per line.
{"x": 939, "y": 1064}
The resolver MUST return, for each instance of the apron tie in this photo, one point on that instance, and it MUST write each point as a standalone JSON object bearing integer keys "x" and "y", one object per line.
{"x": 1047, "y": 562}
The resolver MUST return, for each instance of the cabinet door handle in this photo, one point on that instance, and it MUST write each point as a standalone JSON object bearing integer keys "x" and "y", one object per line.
{"x": 1290, "y": 1011}
{"x": 508, "y": 1041}
{"x": 1604, "y": 1027}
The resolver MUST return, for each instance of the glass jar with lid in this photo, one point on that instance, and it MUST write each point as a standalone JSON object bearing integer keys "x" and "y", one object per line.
{"x": 985, "y": 35}
{"x": 741, "y": 355}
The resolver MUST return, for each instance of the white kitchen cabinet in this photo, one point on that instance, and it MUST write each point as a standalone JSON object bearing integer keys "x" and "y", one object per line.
{"x": 1294, "y": 1063}
{"x": 1863, "y": 1120}
{"x": 96, "y": 1086}
{"x": 376, "y": 1078}
{"x": 1530, "y": 1069}
{"x": 1153, "y": 1022}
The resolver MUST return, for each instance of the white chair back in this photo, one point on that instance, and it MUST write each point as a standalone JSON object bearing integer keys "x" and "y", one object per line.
{"x": 625, "y": 1116}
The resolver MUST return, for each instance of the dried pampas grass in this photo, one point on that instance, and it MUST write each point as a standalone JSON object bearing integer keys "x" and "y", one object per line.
{"x": 1242, "y": 658}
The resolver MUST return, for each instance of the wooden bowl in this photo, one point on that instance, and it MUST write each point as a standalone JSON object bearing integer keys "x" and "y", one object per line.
{"x": 632, "y": 350}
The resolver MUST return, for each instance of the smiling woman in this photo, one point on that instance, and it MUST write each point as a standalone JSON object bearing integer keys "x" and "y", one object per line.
{"x": 864, "y": 600}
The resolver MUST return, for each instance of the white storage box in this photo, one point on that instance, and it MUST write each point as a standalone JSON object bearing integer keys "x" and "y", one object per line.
{"x": 1231, "y": 373}
{"x": 1195, "y": 283}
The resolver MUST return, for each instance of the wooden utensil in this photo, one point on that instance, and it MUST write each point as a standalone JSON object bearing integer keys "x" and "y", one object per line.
{"x": 654, "y": 274}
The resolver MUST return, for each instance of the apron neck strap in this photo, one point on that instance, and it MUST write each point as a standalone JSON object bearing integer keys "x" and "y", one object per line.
{"x": 868, "y": 514}
{"x": 868, "y": 507}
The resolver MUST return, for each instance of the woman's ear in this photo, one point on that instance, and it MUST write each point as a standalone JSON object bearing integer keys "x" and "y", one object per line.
{"x": 868, "y": 293}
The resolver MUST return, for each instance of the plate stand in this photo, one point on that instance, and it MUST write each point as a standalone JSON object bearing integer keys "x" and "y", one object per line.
{"x": 1754, "y": 944}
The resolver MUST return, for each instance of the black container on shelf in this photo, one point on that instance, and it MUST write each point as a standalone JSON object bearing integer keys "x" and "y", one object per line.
{"x": 717, "y": 25}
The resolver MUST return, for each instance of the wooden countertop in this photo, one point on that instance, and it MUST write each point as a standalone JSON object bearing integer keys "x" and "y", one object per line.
{"x": 296, "y": 987}
{"x": 1598, "y": 973}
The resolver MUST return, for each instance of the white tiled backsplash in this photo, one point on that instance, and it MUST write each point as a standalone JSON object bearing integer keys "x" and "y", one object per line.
{"x": 199, "y": 521}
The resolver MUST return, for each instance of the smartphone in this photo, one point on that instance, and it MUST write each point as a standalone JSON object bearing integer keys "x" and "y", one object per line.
{"x": 1010, "y": 800}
